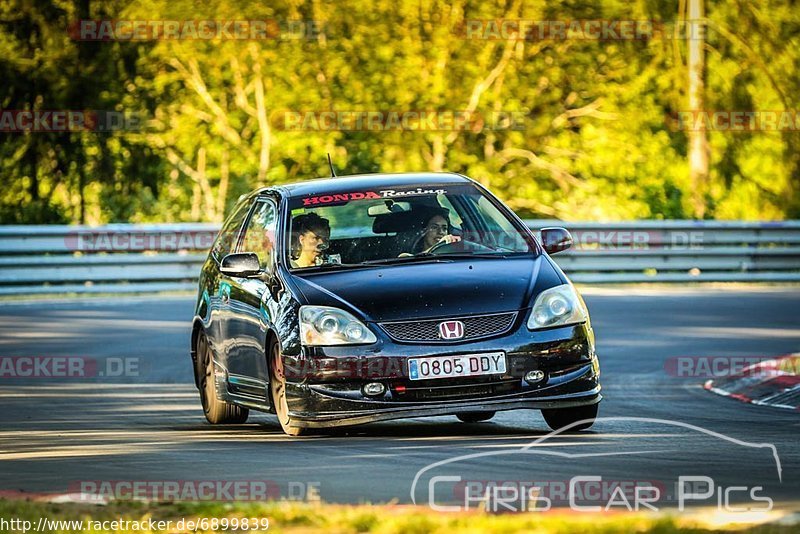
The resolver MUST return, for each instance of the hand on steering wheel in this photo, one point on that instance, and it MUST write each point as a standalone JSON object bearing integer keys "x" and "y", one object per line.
{"x": 446, "y": 240}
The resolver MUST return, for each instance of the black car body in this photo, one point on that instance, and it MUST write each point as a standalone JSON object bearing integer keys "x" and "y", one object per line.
{"x": 469, "y": 304}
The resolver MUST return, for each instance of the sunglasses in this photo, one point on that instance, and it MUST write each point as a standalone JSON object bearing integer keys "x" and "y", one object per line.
{"x": 324, "y": 241}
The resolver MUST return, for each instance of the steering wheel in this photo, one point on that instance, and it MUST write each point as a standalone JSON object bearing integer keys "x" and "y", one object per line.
{"x": 443, "y": 247}
{"x": 417, "y": 244}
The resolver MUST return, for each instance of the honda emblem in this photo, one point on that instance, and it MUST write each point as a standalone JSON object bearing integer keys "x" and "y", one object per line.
{"x": 451, "y": 330}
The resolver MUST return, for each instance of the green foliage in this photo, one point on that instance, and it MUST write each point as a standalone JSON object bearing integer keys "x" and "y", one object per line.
{"x": 596, "y": 144}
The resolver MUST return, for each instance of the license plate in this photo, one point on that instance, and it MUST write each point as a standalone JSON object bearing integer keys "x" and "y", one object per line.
{"x": 462, "y": 365}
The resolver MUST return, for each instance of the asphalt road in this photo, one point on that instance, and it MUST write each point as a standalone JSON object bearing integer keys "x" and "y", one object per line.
{"x": 655, "y": 427}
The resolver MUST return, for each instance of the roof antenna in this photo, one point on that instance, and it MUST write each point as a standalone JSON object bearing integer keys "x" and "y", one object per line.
{"x": 330, "y": 164}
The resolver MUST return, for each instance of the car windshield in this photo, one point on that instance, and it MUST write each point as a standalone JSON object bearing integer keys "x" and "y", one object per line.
{"x": 399, "y": 225}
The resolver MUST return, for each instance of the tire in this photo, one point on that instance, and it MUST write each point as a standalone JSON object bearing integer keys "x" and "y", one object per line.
{"x": 217, "y": 411}
{"x": 475, "y": 417}
{"x": 558, "y": 418}
{"x": 277, "y": 389}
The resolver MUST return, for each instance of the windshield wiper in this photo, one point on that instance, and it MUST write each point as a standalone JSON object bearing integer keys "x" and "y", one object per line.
{"x": 470, "y": 255}
{"x": 418, "y": 258}
{"x": 326, "y": 266}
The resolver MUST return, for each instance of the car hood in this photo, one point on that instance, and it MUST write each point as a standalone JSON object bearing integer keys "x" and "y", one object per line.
{"x": 431, "y": 290}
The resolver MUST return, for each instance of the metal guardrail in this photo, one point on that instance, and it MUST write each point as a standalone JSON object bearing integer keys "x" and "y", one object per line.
{"x": 681, "y": 251}
{"x": 119, "y": 258}
{"x": 149, "y": 258}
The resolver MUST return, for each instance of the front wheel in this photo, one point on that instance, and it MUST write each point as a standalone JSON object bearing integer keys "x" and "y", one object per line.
{"x": 277, "y": 387}
{"x": 217, "y": 411}
{"x": 558, "y": 418}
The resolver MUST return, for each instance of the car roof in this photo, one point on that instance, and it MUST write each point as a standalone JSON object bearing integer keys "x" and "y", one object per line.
{"x": 360, "y": 182}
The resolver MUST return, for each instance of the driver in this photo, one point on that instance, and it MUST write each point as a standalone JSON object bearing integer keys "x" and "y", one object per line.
{"x": 311, "y": 236}
{"x": 435, "y": 231}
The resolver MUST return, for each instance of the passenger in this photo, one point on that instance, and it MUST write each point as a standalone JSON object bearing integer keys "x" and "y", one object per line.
{"x": 311, "y": 236}
{"x": 437, "y": 230}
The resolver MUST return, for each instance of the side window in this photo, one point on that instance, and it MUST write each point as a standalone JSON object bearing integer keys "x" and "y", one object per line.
{"x": 227, "y": 237}
{"x": 502, "y": 232}
{"x": 259, "y": 236}
{"x": 455, "y": 218}
{"x": 492, "y": 218}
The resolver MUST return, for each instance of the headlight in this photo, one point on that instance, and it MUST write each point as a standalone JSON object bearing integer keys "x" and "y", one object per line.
{"x": 323, "y": 325}
{"x": 558, "y": 306}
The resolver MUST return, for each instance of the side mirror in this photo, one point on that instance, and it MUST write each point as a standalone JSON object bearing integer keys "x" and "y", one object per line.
{"x": 556, "y": 239}
{"x": 242, "y": 265}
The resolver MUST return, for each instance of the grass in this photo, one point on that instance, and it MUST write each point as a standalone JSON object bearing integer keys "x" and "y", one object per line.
{"x": 294, "y": 517}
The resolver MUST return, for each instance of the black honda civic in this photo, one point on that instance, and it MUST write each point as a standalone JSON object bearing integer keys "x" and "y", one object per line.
{"x": 354, "y": 299}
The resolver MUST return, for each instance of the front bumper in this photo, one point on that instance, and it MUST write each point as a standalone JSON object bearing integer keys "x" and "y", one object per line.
{"x": 324, "y": 384}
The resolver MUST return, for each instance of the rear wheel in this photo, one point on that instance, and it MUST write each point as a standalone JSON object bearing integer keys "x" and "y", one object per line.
{"x": 277, "y": 387}
{"x": 475, "y": 417}
{"x": 561, "y": 417}
{"x": 217, "y": 411}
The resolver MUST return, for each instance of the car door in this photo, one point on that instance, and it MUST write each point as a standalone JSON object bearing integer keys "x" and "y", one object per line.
{"x": 247, "y": 364}
{"x": 217, "y": 291}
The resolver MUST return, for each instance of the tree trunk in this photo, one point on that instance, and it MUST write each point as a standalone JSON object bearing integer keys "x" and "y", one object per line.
{"x": 698, "y": 139}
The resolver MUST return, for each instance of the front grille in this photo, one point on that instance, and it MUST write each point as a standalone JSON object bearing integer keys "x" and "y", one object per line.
{"x": 475, "y": 327}
{"x": 455, "y": 392}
